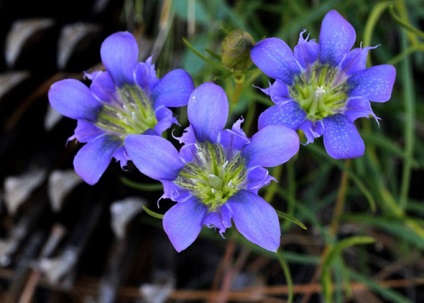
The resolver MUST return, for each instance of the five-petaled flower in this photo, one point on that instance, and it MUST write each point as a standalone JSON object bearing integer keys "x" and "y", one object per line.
{"x": 125, "y": 99}
{"x": 216, "y": 175}
{"x": 322, "y": 88}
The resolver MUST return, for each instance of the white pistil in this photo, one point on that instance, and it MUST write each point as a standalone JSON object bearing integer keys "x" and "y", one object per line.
{"x": 319, "y": 91}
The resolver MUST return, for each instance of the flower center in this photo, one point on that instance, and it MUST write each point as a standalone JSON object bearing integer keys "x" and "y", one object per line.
{"x": 131, "y": 114}
{"x": 321, "y": 91}
{"x": 211, "y": 177}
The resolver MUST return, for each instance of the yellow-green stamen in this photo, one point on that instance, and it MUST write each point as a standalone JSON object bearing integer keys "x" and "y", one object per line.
{"x": 132, "y": 114}
{"x": 211, "y": 177}
{"x": 321, "y": 91}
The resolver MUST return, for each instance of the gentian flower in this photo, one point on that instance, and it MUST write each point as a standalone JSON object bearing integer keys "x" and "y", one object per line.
{"x": 216, "y": 175}
{"x": 323, "y": 87}
{"x": 125, "y": 99}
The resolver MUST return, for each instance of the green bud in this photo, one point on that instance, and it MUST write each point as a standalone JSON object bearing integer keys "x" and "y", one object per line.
{"x": 236, "y": 50}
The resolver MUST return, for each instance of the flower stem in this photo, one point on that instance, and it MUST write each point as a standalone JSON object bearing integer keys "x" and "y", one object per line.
{"x": 338, "y": 208}
{"x": 287, "y": 275}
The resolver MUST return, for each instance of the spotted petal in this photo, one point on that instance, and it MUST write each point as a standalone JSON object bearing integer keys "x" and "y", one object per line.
{"x": 336, "y": 38}
{"x": 279, "y": 92}
{"x": 73, "y": 99}
{"x": 154, "y": 156}
{"x": 289, "y": 114}
{"x": 275, "y": 58}
{"x": 356, "y": 60}
{"x": 256, "y": 220}
{"x": 119, "y": 54}
{"x": 374, "y": 83}
{"x": 93, "y": 158}
{"x": 341, "y": 138}
{"x": 306, "y": 52}
{"x": 183, "y": 223}
{"x": 357, "y": 108}
{"x": 208, "y": 111}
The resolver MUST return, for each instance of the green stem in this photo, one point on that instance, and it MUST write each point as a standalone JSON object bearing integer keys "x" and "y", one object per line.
{"x": 291, "y": 198}
{"x": 287, "y": 275}
{"x": 402, "y": 21}
{"x": 375, "y": 14}
{"x": 408, "y": 96}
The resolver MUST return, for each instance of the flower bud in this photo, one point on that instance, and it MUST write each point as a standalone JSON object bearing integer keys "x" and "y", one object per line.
{"x": 236, "y": 50}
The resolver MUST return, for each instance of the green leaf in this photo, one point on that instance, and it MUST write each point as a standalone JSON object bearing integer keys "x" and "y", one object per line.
{"x": 152, "y": 213}
{"x": 342, "y": 245}
{"x": 402, "y": 228}
{"x": 292, "y": 219}
{"x": 203, "y": 57}
{"x": 142, "y": 186}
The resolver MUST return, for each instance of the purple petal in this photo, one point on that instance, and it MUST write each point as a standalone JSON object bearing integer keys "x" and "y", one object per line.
{"x": 188, "y": 136}
{"x": 93, "y": 158}
{"x": 226, "y": 215}
{"x": 220, "y": 219}
{"x": 102, "y": 87}
{"x": 275, "y": 58}
{"x": 306, "y": 52}
{"x": 165, "y": 120}
{"x": 374, "y": 83}
{"x": 213, "y": 219}
{"x": 256, "y": 220}
{"x": 183, "y": 223}
{"x": 174, "y": 192}
{"x": 188, "y": 152}
{"x": 173, "y": 90}
{"x": 341, "y": 138}
{"x": 279, "y": 92}
{"x": 119, "y": 54}
{"x": 208, "y": 111}
{"x": 154, "y": 156}
{"x": 271, "y": 146}
{"x": 336, "y": 38}
{"x": 121, "y": 156}
{"x": 233, "y": 139}
{"x": 257, "y": 178}
{"x": 356, "y": 60}
{"x": 146, "y": 75}
{"x": 289, "y": 114}
{"x": 86, "y": 131}
{"x": 357, "y": 108}
{"x": 73, "y": 99}
{"x": 311, "y": 130}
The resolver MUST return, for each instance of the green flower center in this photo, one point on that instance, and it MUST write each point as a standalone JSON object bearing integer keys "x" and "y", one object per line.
{"x": 211, "y": 177}
{"x": 321, "y": 91}
{"x": 132, "y": 114}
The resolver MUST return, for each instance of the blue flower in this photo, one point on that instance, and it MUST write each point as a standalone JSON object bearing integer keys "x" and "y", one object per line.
{"x": 216, "y": 175}
{"x": 125, "y": 99}
{"x": 323, "y": 87}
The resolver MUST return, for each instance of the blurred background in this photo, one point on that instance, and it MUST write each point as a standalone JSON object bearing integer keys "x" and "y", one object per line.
{"x": 360, "y": 230}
